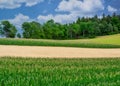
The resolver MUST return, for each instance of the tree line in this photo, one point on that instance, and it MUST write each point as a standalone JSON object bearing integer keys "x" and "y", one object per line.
{"x": 81, "y": 28}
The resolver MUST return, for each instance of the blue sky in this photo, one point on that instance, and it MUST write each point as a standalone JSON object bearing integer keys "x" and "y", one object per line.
{"x": 63, "y": 11}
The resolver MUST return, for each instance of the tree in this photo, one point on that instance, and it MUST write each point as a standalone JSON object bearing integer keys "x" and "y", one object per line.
{"x": 84, "y": 29}
{"x": 52, "y": 30}
{"x": 81, "y": 28}
{"x": 18, "y": 35}
{"x": 32, "y": 30}
{"x": 76, "y": 30}
{"x": 8, "y": 29}
{"x": 1, "y": 29}
{"x": 26, "y": 30}
{"x": 115, "y": 29}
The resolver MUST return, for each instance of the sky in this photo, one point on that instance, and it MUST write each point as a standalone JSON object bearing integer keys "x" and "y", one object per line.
{"x": 62, "y": 11}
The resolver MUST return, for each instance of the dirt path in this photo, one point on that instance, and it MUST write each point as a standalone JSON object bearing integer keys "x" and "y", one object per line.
{"x": 57, "y": 52}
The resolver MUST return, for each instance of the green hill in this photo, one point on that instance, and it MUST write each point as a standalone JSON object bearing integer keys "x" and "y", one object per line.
{"x": 111, "y": 41}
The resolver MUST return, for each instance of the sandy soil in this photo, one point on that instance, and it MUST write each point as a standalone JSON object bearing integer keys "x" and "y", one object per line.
{"x": 56, "y": 52}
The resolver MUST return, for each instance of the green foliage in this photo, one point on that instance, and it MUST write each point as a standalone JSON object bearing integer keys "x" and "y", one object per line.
{"x": 112, "y": 41}
{"x": 19, "y": 35}
{"x": 82, "y": 28}
{"x": 32, "y": 30}
{"x": 8, "y": 30}
{"x": 1, "y": 29}
{"x": 59, "y": 72}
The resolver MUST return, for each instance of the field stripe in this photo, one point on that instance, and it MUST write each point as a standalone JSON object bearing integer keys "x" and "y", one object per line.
{"x": 57, "y": 52}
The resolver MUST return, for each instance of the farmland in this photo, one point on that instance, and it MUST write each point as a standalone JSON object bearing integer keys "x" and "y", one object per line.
{"x": 111, "y": 41}
{"x": 59, "y": 72}
{"x": 59, "y": 43}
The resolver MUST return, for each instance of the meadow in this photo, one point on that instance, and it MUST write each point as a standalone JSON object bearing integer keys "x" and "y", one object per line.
{"x": 111, "y": 41}
{"x": 59, "y": 72}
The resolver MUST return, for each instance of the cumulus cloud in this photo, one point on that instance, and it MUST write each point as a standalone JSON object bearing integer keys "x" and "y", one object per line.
{"x": 61, "y": 18}
{"x": 84, "y": 6}
{"x": 11, "y": 4}
{"x": 19, "y": 19}
{"x": 111, "y": 9}
{"x": 75, "y": 8}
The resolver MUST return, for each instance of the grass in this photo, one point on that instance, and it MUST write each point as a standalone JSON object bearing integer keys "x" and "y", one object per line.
{"x": 111, "y": 41}
{"x": 59, "y": 72}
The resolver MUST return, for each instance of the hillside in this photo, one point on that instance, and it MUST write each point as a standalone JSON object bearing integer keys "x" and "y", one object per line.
{"x": 111, "y": 41}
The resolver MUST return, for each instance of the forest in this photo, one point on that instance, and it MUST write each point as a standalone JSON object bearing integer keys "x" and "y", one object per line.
{"x": 84, "y": 27}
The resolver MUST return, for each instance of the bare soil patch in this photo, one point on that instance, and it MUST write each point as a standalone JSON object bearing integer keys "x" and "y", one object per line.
{"x": 57, "y": 52}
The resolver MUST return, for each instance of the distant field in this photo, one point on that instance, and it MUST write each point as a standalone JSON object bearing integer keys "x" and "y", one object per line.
{"x": 111, "y": 41}
{"x": 59, "y": 72}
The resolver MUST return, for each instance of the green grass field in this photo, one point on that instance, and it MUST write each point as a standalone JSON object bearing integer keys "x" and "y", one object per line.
{"x": 111, "y": 41}
{"x": 59, "y": 72}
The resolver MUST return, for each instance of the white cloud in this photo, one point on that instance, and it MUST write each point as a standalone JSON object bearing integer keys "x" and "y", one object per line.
{"x": 61, "y": 18}
{"x": 111, "y": 9}
{"x": 85, "y": 6}
{"x": 19, "y": 19}
{"x": 11, "y": 4}
{"x": 76, "y": 8}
